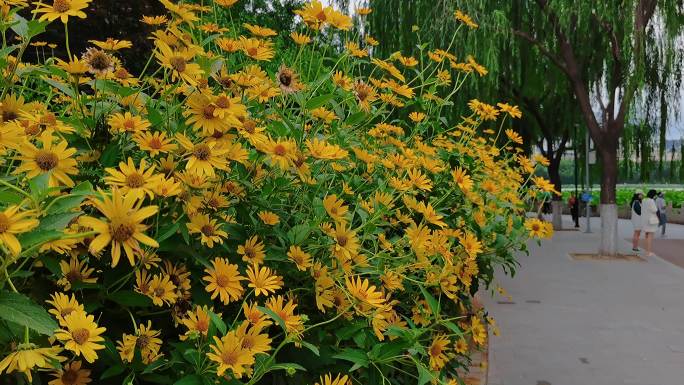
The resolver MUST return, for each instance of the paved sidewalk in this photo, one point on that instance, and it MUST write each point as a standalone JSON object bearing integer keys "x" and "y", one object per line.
{"x": 590, "y": 322}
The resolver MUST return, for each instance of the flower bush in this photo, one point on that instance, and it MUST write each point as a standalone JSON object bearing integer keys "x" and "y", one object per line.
{"x": 256, "y": 207}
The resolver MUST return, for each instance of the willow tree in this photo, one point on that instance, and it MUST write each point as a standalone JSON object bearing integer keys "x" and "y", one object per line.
{"x": 602, "y": 49}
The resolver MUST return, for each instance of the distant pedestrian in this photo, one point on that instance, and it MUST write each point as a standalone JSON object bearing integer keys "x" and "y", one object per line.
{"x": 650, "y": 221}
{"x": 662, "y": 212}
{"x": 573, "y": 203}
{"x": 635, "y": 205}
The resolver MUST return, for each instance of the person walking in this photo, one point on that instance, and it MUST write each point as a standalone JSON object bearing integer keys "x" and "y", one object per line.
{"x": 650, "y": 221}
{"x": 574, "y": 208}
{"x": 635, "y": 205}
{"x": 661, "y": 204}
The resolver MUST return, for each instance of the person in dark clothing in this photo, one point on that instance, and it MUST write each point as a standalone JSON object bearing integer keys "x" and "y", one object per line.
{"x": 573, "y": 203}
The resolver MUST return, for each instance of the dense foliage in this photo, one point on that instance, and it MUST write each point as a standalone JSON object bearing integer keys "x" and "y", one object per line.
{"x": 257, "y": 206}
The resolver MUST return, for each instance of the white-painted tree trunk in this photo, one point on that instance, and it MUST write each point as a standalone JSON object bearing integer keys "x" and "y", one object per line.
{"x": 609, "y": 223}
{"x": 557, "y": 214}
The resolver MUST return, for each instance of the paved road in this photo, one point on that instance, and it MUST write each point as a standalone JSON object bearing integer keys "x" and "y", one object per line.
{"x": 591, "y": 322}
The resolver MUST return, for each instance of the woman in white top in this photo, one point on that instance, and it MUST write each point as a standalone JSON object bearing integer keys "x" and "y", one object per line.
{"x": 649, "y": 218}
{"x": 635, "y": 205}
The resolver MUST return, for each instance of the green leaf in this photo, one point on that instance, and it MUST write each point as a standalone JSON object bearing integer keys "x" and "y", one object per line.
{"x": 289, "y": 366}
{"x": 39, "y": 186}
{"x": 298, "y": 234}
{"x": 167, "y": 232}
{"x": 130, "y": 298}
{"x": 112, "y": 371}
{"x": 218, "y": 322}
{"x": 312, "y": 347}
{"x": 18, "y": 308}
{"x": 356, "y": 356}
{"x": 10, "y": 197}
{"x": 432, "y": 302}
{"x": 318, "y": 101}
{"x": 65, "y": 89}
{"x": 424, "y": 375}
{"x": 273, "y": 316}
{"x": 191, "y": 379}
{"x": 57, "y": 221}
{"x": 356, "y": 118}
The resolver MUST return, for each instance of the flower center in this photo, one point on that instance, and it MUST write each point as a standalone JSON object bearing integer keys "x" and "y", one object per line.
{"x": 342, "y": 240}
{"x": 285, "y": 79}
{"x": 229, "y": 358}
{"x": 208, "y": 112}
{"x": 222, "y": 102}
{"x": 121, "y": 73}
{"x": 155, "y": 143}
{"x": 4, "y": 223}
{"x": 46, "y": 160}
{"x": 123, "y": 232}
{"x": 249, "y": 126}
{"x": 69, "y": 377}
{"x": 208, "y": 230}
{"x": 252, "y": 51}
{"x": 135, "y": 180}
{"x": 129, "y": 124}
{"x": 222, "y": 280}
{"x": 142, "y": 341}
{"x": 8, "y": 116}
{"x": 178, "y": 63}
{"x": 61, "y": 6}
{"x": 80, "y": 336}
{"x": 250, "y": 253}
{"x": 279, "y": 150}
{"x": 247, "y": 343}
{"x": 49, "y": 119}
{"x": 201, "y": 152}
{"x": 98, "y": 60}
{"x": 202, "y": 325}
{"x": 159, "y": 292}
{"x": 73, "y": 276}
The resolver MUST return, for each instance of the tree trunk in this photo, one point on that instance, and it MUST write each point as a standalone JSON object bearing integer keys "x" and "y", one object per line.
{"x": 608, "y": 208}
{"x": 557, "y": 203}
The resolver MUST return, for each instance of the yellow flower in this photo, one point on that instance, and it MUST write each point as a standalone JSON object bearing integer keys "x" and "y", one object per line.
{"x": 203, "y": 157}
{"x": 513, "y": 111}
{"x": 257, "y": 49}
{"x": 127, "y": 122}
{"x": 28, "y": 356}
{"x": 321, "y": 149}
{"x": 63, "y": 305}
{"x": 179, "y": 62}
{"x": 133, "y": 181}
{"x": 263, "y": 280}
{"x": 53, "y": 158}
{"x": 12, "y": 223}
{"x": 281, "y": 152}
{"x": 338, "y": 380}
{"x": 74, "y": 271}
{"x": 514, "y": 136}
{"x": 209, "y": 230}
{"x": 146, "y": 340}
{"x": 123, "y": 226}
{"x": 154, "y": 142}
{"x": 154, "y": 20}
{"x": 71, "y": 374}
{"x": 300, "y": 38}
{"x": 538, "y": 228}
{"x": 252, "y": 250}
{"x": 262, "y": 92}
{"x": 465, "y": 19}
{"x": 112, "y": 44}
{"x": 269, "y": 217}
{"x": 417, "y": 117}
{"x": 226, "y": 3}
{"x": 285, "y": 310}
{"x": 259, "y": 31}
{"x": 203, "y": 114}
{"x": 462, "y": 179}
{"x": 62, "y": 9}
{"x": 224, "y": 281}
{"x": 197, "y": 321}
{"x": 346, "y": 244}
{"x": 229, "y": 354}
{"x": 81, "y": 335}
{"x": 364, "y": 291}
{"x": 343, "y": 81}
{"x": 299, "y": 257}
{"x": 162, "y": 290}
{"x": 439, "y": 352}
{"x": 335, "y": 208}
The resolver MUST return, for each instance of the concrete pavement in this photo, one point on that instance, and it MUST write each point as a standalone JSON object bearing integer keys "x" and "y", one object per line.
{"x": 590, "y": 322}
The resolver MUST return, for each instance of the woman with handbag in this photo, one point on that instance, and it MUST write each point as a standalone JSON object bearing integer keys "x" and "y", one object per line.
{"x": 649, "y": 215}
{"x": 635, "y": 204}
